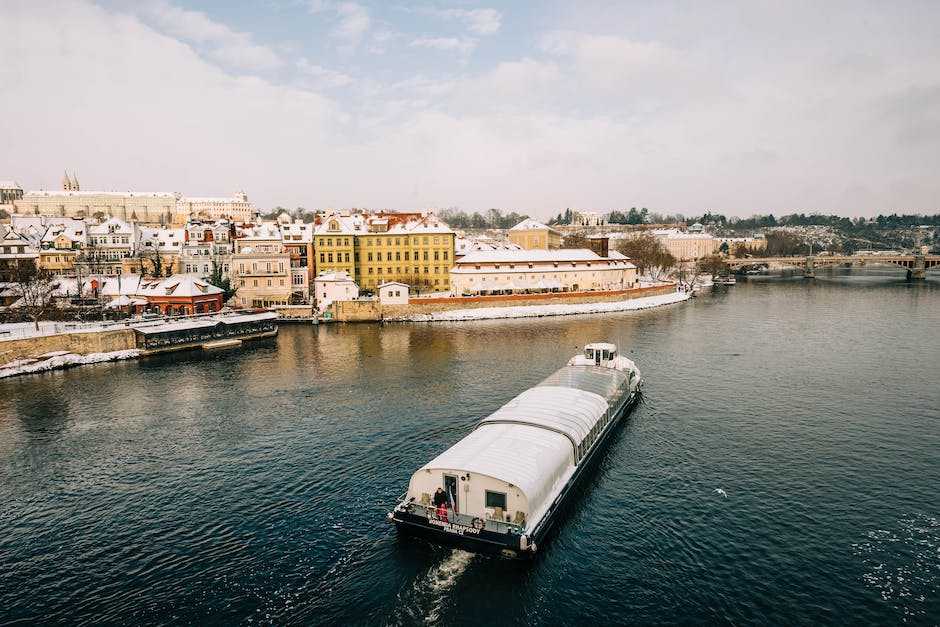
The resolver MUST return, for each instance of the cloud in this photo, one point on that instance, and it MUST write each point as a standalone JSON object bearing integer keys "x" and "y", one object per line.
{"x": 480, "y": 21}
{"x": 353, "y": 21}
{"x": 221, "y": 43}
{"x": 323, "y": 76}
{"x": 444, "y": 43}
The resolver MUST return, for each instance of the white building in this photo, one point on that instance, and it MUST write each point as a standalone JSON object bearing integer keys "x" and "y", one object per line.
{"x": 393, "y": 293}
{"x": 334, "y": 286}
{"x": 237, "y": 208}
{"x": 533, "y": 271}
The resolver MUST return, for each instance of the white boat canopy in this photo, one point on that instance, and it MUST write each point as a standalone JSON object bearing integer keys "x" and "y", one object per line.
{"x": 530, "y": 442}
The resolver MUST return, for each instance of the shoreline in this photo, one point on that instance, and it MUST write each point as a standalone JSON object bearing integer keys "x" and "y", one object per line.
{"x": 59, "y": 360}
{"x": 539, "y": 311}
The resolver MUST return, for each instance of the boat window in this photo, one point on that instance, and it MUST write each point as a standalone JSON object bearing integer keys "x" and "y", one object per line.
{"x": 496, "y": 499}
{"x": 589, "y": 353}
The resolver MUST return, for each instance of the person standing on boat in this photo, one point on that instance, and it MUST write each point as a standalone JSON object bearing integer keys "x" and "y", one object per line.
{"x": 440, "y": 498}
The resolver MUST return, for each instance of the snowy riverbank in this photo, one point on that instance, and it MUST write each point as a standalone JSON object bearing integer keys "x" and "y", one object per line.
{"x": 61, "y": 359}
{"x": 535, "y": 311}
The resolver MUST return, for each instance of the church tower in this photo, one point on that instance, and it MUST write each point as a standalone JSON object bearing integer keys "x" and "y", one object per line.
{"x": 75, "y": 186}
{"x": 66, "y": 183}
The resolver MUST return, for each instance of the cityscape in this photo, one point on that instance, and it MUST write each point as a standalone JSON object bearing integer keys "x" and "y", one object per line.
{"x": 339, "y": 312}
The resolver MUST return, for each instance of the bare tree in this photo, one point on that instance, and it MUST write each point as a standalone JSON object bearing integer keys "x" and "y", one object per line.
{"x": 648, "y": 255}
{"x": 575, "y": 240}
{"x": 35, "y": 288}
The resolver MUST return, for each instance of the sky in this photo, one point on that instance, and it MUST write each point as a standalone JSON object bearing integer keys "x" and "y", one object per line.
{"x": 739, "y": 107}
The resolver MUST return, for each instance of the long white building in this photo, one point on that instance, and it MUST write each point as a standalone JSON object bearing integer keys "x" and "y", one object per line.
{"x": 520, "y": 271}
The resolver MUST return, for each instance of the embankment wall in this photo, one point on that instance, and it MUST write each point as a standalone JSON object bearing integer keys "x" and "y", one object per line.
{"x": 78, "y": 343}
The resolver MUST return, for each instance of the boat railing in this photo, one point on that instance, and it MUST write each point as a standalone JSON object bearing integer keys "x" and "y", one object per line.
{"x": 467, "y": 520}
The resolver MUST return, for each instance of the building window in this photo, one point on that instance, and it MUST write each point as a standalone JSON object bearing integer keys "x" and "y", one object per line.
{"x": 369, "y": 257}
{"x": 347, "y": 257}
{"x": 425, "y": 255}
{"x": 322, "y": 258}
{"x": 437, "y": 256}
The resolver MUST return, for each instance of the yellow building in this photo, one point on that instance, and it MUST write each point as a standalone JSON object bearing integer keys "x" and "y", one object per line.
{"x": 334, "y": 242}
{"x": 412, "y": 248}
{"x": 532, "y": 235}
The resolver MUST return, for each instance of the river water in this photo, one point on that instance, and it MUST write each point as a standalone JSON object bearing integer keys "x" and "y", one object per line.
{"x": 251, "y": 485}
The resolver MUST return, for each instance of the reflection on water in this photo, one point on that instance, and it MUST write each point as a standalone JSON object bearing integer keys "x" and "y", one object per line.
{"x": 251, "y": 485}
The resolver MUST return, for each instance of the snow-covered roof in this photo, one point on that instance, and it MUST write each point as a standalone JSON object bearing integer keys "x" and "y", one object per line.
{"x": 393, "y": 283}
{"x": 531, "y": 225}
{"x": 126, "y": 284}
{"x": 530, "y": 256}
{"x": 213, "y": 199}
{"x": 338, "y": 276}
{"x": 177, "y": 285}
{"x": 162, "y": 239}
{"x": 62, "y": 192}
{"x": 10, "y": 185}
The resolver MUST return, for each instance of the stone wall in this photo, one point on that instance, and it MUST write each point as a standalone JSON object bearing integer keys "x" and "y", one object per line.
{"x": 356, "y": 310}
{"x": 78, "y": 343}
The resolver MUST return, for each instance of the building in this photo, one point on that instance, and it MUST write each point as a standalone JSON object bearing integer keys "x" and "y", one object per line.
{"x": 534, "y": 271}
{"x": 334, "y": 286}
{"x": 60, "y": 245}
{"x": 586, "y": 218}
{"x": 413, "y": 248}
{"x": 156, "y": 253}
{"x": 237, "y": 208}
{"x": 741, "y": 246}
{"x": 10, "y": 193}
{"x": 261, "y": 270}
{"x": 393, "y": 293}
{"x": 154, "y": 208}
{"x": 206, "y": 245}
{"x": 107, "y": 245}
{"x": 16, "y": 253}
{"x": 297, "y": 238}
{"x": 681, "y": 245}
{"x": 532, "y": 235}
{"x": 335, "y": 242}
{"x": 177, "y": 295}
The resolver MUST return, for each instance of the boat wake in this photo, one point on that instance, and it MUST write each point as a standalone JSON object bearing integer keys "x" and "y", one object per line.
{"x": 424, "y": 601}
{"x": 903, "y": 565}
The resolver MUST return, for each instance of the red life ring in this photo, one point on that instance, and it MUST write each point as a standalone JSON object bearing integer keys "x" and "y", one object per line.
{"x": 478, "y": 523}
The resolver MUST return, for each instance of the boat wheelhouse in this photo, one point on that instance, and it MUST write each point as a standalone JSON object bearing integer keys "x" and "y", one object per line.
{"x": 503, "y": 484}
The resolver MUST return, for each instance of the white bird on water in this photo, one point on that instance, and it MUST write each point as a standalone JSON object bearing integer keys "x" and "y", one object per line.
{"x": 721, "y": 492}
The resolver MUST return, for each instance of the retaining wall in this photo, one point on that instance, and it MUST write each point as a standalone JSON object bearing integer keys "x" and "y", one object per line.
{"x": 78, "y": 343}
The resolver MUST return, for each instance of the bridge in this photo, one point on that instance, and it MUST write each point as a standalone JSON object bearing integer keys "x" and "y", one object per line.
{"x": 916, "y": 265}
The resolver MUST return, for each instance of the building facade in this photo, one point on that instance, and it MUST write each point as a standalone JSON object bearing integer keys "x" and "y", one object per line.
{"x": 532, "y": 235}
{"x": 534, "y": 271}
{"x": 237, "y": 208}
{"x": 144, "y": 208}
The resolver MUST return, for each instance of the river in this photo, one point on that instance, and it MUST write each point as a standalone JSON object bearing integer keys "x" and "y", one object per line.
{"x": 251, "y": 485}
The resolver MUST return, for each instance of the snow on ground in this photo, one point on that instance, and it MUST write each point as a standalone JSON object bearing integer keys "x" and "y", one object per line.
{"x": 533, "y": 311}
{"x": 61, "y": 359}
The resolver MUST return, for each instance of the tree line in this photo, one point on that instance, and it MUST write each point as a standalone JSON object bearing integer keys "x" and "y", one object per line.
{"x": 491, "y": 219}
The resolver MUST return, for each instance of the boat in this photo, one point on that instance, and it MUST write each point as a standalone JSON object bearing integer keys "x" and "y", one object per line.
{"x": 504, "y": 485}
{"x": 724, "y": 280}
